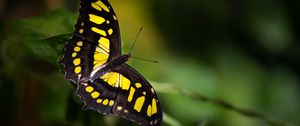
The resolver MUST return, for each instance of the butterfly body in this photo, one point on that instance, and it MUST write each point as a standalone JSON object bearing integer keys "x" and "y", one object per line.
{"x": 92, "y": 61}
{"x": 112, "y": 65}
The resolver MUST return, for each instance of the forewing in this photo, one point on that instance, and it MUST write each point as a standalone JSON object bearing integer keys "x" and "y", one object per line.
{"x": 95, "y": 41}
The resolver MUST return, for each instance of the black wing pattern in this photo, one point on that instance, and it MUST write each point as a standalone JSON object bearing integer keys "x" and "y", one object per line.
{"x": 124, "y": 93}
{"x": 118, "y": 91}
{"x": 95, "y": 41}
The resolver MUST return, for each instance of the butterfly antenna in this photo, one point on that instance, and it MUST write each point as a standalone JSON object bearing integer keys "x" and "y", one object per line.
{"x": 136, "y": 37}
{"x": 153, "y": 61}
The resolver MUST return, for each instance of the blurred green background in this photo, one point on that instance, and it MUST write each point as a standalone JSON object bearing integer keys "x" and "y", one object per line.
{"x": 244, "y": 52}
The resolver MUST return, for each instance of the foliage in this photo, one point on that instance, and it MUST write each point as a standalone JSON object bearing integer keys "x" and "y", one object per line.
{"x": 30, "y": 73}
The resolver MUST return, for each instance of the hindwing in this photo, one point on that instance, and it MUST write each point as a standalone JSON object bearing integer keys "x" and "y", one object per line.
{"x": 123, "y": 93}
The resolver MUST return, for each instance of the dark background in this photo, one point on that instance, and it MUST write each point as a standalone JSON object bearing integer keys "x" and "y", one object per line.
{"x": 244, "y": 52}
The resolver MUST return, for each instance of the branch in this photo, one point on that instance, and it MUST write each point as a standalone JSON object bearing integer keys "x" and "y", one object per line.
{"x": 168, "y": 88}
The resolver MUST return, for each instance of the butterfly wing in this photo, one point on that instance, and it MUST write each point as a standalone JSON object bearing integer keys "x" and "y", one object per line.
{"x": 123, "y": 93}
{"x": 95, "y": 41}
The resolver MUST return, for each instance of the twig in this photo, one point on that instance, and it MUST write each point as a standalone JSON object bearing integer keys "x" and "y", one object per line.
{"x": 167, "y": 88}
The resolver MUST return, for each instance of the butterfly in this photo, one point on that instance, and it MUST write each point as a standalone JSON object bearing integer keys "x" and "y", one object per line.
{"x": 93, "y": 62}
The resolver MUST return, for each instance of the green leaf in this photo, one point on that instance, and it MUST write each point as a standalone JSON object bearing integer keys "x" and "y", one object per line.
{"x": 48, "y": 49}
{"x": 50, "y": 24}
{"x": 45, "y": 36}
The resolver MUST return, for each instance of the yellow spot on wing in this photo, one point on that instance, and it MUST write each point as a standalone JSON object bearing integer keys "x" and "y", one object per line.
{"x": 77, "y": 49}
{"x": 99, "y": 31}
{"x": 139, "y": 103}
{"x": 149, "y": 113}
{"x": 77, "y": 70}
{"x": 95, "y": 94}
{"x": 99, "y": 58}
{"x": 154, "y": 107}
{"x": 112, "y": 80}
{"x": 107, "y": 22}
{"x": 102, "y": 5}
{"x": 111, "y": 102}
{"x": 115, "y": 79}
{"x": 79, "y": 43}
{"x": 96, "y": 19}
{"x": 104, "y": 43}
{"x": 119, "y": 108}
{"x": 99, "y": 100}
{"x": 125, "y": 83}
{"x": 80, "y": 31}
{"x": 110, "y": 31}
{"x": 89, "y": 89}
{"x": 106, "y": 76}
{"x": 95, "y": 6}
{"x": 138, "y": 85}
{"x": 152, "y": 90}
{"x": 74, "y": 54}
{"x": 131, "y": 93}
{"x": 105, "y": 102}
{"x": 76, "y": 61}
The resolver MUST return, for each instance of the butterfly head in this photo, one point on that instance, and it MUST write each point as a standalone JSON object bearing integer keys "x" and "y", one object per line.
{"x": 128, "y": 55}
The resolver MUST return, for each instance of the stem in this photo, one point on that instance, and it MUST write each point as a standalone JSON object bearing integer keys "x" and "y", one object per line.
{"x": 171, "y": 89}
